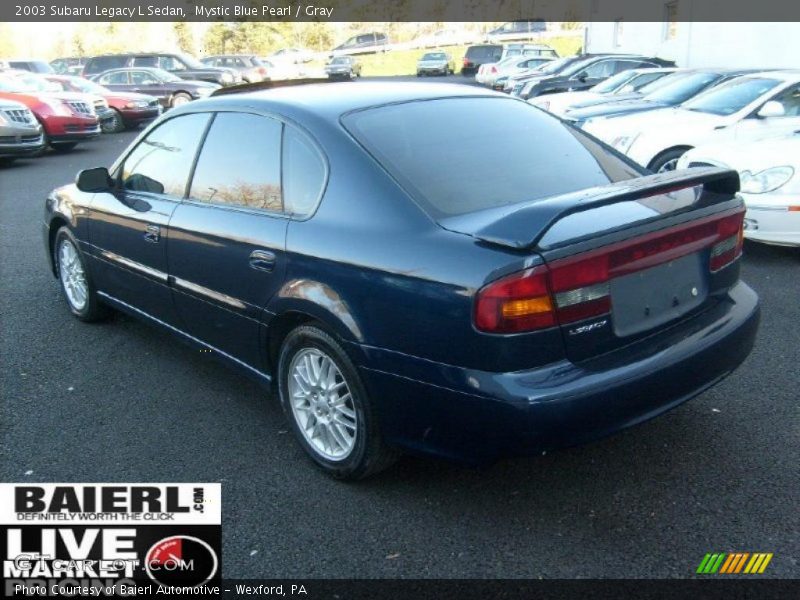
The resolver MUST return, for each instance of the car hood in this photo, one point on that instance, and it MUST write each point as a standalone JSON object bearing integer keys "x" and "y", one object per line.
{"x": 749, "y": 156}
{"x": 663, "y": 121}
{"x": 608, "y": 107}
{"x": 128, "y": 97}
{"x": 432, "y": 63}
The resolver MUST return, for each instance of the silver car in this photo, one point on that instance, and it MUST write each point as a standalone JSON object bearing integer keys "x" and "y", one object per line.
{"x": 435, "y": 63}
{"x": 20, "y": 133}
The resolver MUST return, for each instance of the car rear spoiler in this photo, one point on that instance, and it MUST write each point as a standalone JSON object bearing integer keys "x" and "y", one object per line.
{"x": 268, "y": 85}
{"x": 524, "y": 224}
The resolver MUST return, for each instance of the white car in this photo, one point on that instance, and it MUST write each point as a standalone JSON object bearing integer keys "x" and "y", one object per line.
{"x": 291, "y": 55}
{"x": 745, "y": 108}
{"x": 769, "y": 171}
{"x": 488, "y": 74}
{"x": 619, "y": 87}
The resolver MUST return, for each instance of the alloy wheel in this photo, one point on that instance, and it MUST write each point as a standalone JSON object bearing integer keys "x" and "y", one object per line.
{"x": 72, "y": 276}
{"x": 322, "y": 404}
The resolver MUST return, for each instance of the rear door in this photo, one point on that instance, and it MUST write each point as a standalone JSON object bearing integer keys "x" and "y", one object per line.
{"x": 226, "y": 254}
{"x": 129, "y": 229}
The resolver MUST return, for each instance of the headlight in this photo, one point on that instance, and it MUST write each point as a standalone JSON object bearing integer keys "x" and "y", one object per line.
{"x": 3, "y": 119}
{"x": 623, "y": 143}
{"x": 138, "y": 104}
{"x": 765, "y": 181}
{"x": 227, "y": 77}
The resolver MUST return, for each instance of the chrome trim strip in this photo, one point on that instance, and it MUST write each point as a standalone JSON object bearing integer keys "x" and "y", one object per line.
{"x": 136, "y": 266}
{"x": 209, "y": 293}
{"x": 186, "y": 335}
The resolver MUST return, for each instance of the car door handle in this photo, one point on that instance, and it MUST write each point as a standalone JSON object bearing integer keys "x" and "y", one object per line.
{"x": 262, "y": 260}
{"x": 152, "y": 234}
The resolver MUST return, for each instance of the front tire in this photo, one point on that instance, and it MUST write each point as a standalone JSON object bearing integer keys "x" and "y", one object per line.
{"x": 180, "y": 99}
{"x": 115, "y": 124}
{"x": 667, "y": 161}
{"x": 76, "y": 284}
{"x": 328, "y": 407}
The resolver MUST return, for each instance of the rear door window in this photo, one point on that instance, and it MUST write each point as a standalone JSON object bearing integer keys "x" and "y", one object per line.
{"x": 240, "y": 164}
{"x": 453, "y": 163}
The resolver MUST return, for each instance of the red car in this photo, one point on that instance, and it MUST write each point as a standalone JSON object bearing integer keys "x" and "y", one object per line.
{"x": 67, "y": 119}
{"x": 128, "y": 109}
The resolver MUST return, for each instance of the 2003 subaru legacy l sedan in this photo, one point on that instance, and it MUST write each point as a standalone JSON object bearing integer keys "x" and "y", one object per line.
{"x": 414, "y": 278}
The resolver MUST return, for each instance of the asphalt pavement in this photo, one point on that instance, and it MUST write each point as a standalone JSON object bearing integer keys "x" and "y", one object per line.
{"x": 122, "y": 401}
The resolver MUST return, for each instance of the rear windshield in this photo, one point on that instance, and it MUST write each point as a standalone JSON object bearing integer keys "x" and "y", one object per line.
{"x": 453, "y": 163}
{"x": 483, "y": 51}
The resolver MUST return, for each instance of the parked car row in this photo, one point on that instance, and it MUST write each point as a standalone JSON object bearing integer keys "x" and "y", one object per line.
{"x": 743, "y": 119}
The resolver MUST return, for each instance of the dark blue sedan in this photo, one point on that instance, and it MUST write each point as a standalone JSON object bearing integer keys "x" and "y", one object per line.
{"x": 416, "y": 267}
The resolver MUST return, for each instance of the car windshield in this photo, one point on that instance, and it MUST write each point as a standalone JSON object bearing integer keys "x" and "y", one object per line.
{"x": 190, "y": 61}
{"x": 435, "y": 56}
{"x": 164, "y": 76}
{"x": 576, "y": 67}
{"x": 731, "y": 97}
{"x": 340, "y": 60}
{"x": 555, "y": 65}
{"x": 453, "y": 163}
{"x": 682, "y": 88}
{"x": 612, "y": 83}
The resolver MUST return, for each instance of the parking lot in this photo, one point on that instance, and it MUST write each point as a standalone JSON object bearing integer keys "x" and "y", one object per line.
{"x": 122, "y": 401}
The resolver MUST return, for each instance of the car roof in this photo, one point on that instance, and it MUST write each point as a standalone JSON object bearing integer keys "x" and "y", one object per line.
{"x": 331, "y": 100}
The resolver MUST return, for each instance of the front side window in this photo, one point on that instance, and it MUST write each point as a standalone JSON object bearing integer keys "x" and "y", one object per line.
{"x": 161, "y": 163}
{"x": 240, "y": 163}
{"x": 790, "y": 100}
{"x": 142, "y": 78}
{"x": 303, "y": 173}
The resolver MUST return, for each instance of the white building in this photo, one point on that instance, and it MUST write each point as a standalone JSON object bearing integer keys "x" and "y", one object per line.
{"x": 700, "y": 44}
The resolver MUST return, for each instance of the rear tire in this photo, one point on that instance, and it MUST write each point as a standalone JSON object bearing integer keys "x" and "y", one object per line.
{"x": 76, "y": 283}
{"x": 327, "y": 406}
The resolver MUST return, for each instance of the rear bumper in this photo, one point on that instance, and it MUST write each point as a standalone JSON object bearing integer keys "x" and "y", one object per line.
{"x": 476, "y": 416}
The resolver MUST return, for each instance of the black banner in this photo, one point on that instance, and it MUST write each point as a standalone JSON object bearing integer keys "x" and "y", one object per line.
{"x": 399, "y": 10}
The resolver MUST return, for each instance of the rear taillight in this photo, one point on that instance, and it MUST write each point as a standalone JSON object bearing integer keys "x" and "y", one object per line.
{"x": 519, "y": 302}
{"x": 731, "y": 231}
{"x": 577, "y": 288}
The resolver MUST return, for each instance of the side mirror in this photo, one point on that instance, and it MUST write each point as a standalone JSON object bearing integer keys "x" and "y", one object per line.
{"x": 771, "y": 109}
{"x": 94, "y": 180}
{"x": 581, "y": 76}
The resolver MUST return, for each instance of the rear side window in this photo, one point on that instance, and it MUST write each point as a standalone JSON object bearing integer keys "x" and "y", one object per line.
{"x": 161, "y": 163}
{"x": 453, "y": 163}
{"x": 240, "y": 164}
{"x": 303, "y": 173}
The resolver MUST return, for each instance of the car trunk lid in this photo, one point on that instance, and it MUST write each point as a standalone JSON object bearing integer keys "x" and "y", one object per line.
{"x": 623, "y": 261}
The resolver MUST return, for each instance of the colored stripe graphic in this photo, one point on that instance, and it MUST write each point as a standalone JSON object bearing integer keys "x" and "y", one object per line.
{"x": 734, "y": 563}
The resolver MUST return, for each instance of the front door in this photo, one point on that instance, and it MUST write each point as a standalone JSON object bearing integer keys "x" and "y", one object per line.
{"x": 227, "y": 240}
{"x": 129, "y": 229}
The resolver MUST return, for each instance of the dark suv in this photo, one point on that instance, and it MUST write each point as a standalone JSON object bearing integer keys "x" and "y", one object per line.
{"x": 34, "y": 66}
{"x": 478, "y": 55}
{"x": 182, "y": 65}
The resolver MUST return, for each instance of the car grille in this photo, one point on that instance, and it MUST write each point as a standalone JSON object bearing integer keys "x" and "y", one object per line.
{"x": 23, "y": 139}
{"x": 20, "y": 116}
{"x": 81, "y": 108}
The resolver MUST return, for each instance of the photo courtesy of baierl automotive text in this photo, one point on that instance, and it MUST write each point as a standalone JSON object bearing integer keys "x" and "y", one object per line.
{"x": 403, "y": 299}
